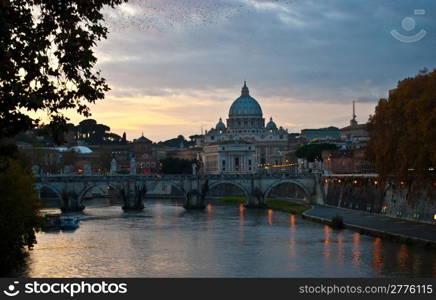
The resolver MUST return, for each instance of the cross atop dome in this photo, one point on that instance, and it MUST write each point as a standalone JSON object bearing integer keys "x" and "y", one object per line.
{"x": 245, "y": 91}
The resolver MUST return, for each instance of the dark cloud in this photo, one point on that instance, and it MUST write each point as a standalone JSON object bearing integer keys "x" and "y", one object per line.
{"x": 317, "y": 49}
{"x": 306, "y": 51}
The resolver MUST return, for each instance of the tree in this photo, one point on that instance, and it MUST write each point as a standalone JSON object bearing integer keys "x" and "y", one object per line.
{"x": 19, "y": 214}
{"x": 314, "y": 151}
{"x": 47, "y": 60}
{"x": 103, "y": 160}
{"x": 403, "y": 132}
{"x": 47, "y": 64}
{"x": 171, "y": 165}
{"x": 177, "y": 142}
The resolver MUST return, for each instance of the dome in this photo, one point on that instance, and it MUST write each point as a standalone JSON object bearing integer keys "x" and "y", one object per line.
{"x": 81, "y": 149}
{"x": 62, "y": 149}
{"x": 220, "y": 125}
{"x": 271, "y": 125}
{"x": 142, "y": 139}
{"x": 245, "y": 105}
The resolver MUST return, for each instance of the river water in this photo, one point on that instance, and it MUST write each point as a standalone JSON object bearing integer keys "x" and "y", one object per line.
{"x": 165, "y": 240}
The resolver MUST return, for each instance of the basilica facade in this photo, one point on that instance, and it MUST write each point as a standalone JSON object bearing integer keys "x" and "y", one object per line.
{"x": 244, "y": 144}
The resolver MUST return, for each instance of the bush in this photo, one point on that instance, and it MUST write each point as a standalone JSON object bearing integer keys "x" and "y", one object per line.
{"x": 337, "y": 222}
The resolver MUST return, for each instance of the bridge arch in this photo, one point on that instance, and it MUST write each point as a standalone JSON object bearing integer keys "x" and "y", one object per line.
{"x": 238, "y": 185}
{"x": 177, "y": 187}
{"x": 52, "y": 188}
{"x": 288, "y": 181}
{"x": 88, "y": 188}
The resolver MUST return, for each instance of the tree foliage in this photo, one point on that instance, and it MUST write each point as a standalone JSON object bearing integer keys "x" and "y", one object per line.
{"x": 47, "y": 59}
{"x": 172, "y": 165}
{"x": 47, "y": 64}
{"x": 177, "y": 142}
{"x": 19, "y": 218}
{"x": 403, "y": 131}
{"x": 313, "y": 151}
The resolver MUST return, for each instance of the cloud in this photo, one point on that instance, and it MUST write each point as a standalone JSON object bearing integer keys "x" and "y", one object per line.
{"x": 183, "y": 61}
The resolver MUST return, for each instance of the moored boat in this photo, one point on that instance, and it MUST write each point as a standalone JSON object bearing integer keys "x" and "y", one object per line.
{"x": 52, "y": 221}
{"x": 69, "y": 222}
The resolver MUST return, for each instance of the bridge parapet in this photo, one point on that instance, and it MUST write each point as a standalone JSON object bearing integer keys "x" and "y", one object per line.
{"x": 132, "y": 187}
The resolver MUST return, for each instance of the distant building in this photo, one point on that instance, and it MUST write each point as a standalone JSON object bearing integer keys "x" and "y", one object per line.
{"x": 350, "y": 158}
{"x": 192, "y": 153}
{"x": 229, "y": 157}
{"x": 245, "y": 132}
{"x": 320, "y": 135}
{"x": 355, "y": 135}
{"x": 142, "y": 151}
{"x": 346, "y": 162}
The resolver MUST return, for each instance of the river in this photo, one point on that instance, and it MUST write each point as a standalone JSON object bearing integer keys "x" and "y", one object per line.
{"x": 165, "y": 240}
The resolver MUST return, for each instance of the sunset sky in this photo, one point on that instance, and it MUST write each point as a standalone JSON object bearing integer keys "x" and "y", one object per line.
{"x": 175, "y": 66}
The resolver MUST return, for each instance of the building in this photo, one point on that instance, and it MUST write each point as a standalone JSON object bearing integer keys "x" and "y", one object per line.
{"x": 250, "y": 139}
{"x": 324, "y": 135}
{"x": 351, "y": 158}
{"x": 229, "y": 157}
{"x": 355, "y": 135}
{"x": 346, "y": 162}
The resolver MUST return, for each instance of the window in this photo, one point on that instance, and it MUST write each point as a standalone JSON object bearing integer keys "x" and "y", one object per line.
{"x": 249, "y": 162}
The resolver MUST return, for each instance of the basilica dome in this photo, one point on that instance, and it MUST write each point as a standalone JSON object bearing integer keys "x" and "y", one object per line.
{"x": 220, "y": 125}
{"x": 245, "y": 105}
{"x": 271, "y": 125}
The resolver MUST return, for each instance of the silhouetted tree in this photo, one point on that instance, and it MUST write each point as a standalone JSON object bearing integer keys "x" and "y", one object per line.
{"x": 313, "y": 151}
{"x": 172, "y": 165}
{"x": 19, "y": 214}
{"x": 47, "y": 60}
{"x": 403, "y": 131}
{"x": 47, "y": 65}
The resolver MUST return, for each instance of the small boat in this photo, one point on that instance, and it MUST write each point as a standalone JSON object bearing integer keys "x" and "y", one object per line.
{"x": 52, "y": 221}
{"x": 69, "y": 223}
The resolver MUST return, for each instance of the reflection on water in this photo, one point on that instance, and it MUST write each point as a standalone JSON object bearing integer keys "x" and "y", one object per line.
{"x": 356, "y": 249}
{"x": 270, "y": 216}
{"x": 164, "y": 240}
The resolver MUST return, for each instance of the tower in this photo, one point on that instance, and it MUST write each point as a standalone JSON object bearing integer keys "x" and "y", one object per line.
{"x": 353, "y": 121}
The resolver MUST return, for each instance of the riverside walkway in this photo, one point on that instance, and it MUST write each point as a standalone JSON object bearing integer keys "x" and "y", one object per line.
{"x": 377, "y": 225}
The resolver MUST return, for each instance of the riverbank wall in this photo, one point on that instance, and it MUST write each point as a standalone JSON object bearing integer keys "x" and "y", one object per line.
{"x": 373, "y": 231}
{"x": 367, "y": 193}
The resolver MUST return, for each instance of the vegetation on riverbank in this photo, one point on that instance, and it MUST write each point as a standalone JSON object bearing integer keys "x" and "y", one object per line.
{"x": 232, "y": 200}
{"x": 295, "y": 208}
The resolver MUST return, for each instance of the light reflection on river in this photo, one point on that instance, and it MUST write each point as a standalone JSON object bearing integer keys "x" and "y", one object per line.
{"x": 164, "y": 240}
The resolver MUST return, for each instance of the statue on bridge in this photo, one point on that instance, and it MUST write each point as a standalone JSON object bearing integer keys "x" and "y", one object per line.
{"x": 133, "y": 165}
{"x": 113, "y": 166}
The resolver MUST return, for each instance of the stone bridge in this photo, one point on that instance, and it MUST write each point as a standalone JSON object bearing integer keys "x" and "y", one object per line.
{"x": 71, "y": 189}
